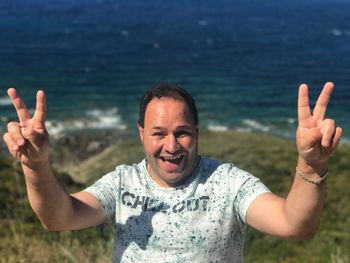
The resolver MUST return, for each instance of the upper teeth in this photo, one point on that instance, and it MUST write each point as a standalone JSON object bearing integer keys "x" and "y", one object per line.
{"x": 172, "y": 158}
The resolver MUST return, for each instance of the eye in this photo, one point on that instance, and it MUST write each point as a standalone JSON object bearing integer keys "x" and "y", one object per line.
{"x": 180, "y": 134}
{"x": 158, "y": 134}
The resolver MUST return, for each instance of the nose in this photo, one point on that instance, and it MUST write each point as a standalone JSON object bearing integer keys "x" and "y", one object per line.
{"x": 171, "y": 144}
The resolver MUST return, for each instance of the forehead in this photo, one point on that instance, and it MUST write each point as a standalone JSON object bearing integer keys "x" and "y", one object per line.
{"x": 164, "y": 111}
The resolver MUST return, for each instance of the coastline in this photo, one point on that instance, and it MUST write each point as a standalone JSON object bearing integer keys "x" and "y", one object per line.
{"x": 80, "y": 153}
{"x": 87, "y": 155}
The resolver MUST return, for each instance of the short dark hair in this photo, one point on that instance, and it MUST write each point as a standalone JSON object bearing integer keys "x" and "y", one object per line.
{"x": 169, "y": 91}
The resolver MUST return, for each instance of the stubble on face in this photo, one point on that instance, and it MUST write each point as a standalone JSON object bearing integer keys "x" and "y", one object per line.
{"x": 170, "y": 140}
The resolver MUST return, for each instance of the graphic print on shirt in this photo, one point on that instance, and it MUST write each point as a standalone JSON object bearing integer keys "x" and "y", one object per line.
{"x": 146, "y": 203}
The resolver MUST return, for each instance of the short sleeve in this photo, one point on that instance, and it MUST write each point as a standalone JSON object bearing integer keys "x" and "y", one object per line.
{"x": 250, "y": 187}
{"x": 105, "y": 190}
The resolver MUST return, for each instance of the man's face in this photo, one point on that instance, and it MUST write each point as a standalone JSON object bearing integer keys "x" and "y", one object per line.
{"x": 169, "y": 137}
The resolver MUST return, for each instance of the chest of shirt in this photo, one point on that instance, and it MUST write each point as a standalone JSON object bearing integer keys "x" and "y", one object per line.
{"x": 200, "y": 220}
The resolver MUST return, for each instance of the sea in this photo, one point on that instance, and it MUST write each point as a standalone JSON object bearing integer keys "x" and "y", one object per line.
{"x": 243, "y": 61}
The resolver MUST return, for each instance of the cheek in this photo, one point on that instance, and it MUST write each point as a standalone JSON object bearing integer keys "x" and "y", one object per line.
{"x": 153, "y": 146}
{"x": 189, "y": 143}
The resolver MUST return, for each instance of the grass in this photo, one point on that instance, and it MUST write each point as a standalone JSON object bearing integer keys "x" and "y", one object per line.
{"x": 271, "y": 159}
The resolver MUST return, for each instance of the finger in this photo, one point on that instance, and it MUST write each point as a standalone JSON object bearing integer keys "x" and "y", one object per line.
{"x": 323, "y": 100}
{"x": 337, "y": 136}
{"x": 11, "y": 144}
{"x": 18, "y": 103}
{"x": 14, "y": 130}
{"x": 40, "y": 110}
{"x": 303, "y": 103}
{"x": 328, "y": 132}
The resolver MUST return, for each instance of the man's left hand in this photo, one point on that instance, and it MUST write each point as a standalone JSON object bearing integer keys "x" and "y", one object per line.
{"x": 317, "y": 136}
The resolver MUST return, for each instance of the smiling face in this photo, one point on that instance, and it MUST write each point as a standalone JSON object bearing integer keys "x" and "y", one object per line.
{"x": 170, "y": 140}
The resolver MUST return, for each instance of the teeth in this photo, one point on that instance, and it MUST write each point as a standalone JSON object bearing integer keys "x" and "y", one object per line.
{"x": 173, "y": 158}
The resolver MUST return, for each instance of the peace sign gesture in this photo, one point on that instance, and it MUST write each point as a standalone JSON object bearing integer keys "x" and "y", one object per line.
{"x": 317, "y": 137}
{"x": 27, "y": 140}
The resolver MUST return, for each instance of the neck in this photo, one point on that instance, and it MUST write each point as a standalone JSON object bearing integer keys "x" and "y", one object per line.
{"x": 165, "y": 184}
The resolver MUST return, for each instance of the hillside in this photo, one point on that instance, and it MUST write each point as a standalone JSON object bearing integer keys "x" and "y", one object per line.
{"x": 271, "y": 159}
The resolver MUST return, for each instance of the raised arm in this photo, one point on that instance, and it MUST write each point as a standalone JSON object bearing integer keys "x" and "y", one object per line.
{"x": 28, "y": 142}
{"x": 298, "y": 215}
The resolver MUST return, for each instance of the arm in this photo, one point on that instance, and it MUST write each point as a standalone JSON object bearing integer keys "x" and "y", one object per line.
{"x": 28, "y": 142}
{"x": 298, "y": 216}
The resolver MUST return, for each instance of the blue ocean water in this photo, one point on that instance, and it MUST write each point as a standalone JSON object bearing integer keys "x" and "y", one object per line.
{"x": 242, "y": 60}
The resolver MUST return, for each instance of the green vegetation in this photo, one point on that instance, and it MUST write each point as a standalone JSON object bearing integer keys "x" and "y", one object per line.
{"x": 271, "y": 159}
{"x": 24, "y": 240}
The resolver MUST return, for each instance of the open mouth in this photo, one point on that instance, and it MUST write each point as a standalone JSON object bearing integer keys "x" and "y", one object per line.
{"x": 173, "y": 160}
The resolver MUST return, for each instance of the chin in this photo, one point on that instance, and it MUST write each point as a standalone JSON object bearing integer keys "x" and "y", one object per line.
{"x": 174, "y": 179}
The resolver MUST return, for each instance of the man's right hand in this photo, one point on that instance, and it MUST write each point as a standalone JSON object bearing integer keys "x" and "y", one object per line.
{"x": 27, "y": 139}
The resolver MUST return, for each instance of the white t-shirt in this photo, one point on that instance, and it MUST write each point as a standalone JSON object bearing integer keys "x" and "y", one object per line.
{"x": 203, "y": 220}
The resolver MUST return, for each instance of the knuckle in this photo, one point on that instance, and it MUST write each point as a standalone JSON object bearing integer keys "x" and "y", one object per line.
{"x": 11, "y": 125}
{"x": 5, "y": 136}
{"x": 330, "y": 121}
{"x": 8, "y": 139}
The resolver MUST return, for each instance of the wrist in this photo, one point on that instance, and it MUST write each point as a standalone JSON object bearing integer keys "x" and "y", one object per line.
{"x": 34, "y": 167}
{"x": 318, "y": 168}
{"x": 314, "y": 173}
{"x": 314, "y": 179}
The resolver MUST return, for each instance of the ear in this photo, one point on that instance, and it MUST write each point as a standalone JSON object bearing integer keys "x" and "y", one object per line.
{"x": 141, "y": 132}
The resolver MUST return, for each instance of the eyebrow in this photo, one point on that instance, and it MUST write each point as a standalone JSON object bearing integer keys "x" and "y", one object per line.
{"x": 177, "y": 128}
{"x": 157, "y": 128}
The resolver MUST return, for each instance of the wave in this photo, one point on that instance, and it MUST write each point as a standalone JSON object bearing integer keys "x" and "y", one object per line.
{"x": 255, "y": 125}
{"x": 250, "y": 125}
{"x": 94, "y": 119}
{"x": 338, "y": 33}
{"x": 213, "y": 127}
{"x": 203, "y": 22}
{"x": 108, "y": 118}
{"x": 291, "y": 120}
{"x": 124, "y": 32}
{"x": 5, "y": 101}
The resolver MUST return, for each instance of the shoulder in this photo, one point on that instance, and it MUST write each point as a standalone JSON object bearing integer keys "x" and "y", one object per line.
{"x": 218, "y": 172}
{"x": 226, "y": 173}
{"x": 130, "y": 168}
{"x": 222, "y": 168}
{"x": 121, "y": 173}
{"x": 123, "y": 170}
{"x": 134, "y": 173}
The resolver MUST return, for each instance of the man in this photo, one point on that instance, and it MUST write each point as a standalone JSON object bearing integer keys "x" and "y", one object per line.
{"x": 176, "y": 206}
